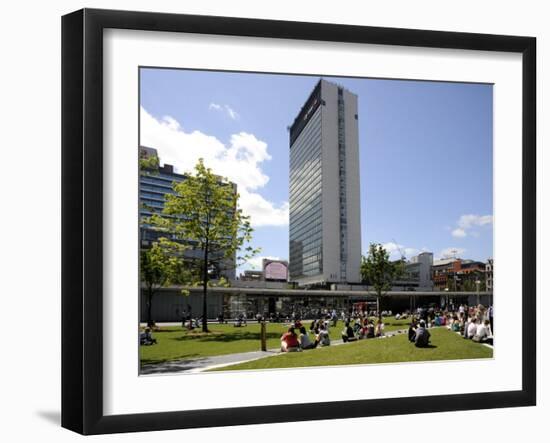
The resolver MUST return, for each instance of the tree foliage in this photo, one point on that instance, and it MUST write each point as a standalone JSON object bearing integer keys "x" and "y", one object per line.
{"x": 203, "y": 212}
{"x": 160, "y": 265}
{"x": 378, "y": 271}
{"x": 149, "y": 164}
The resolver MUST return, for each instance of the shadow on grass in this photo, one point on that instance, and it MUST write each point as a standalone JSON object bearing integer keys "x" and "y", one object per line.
{"x": 154, "y": 361}
{"x": 226, "y": 338}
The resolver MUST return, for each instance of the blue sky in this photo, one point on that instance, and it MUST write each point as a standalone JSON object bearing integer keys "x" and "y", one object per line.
{"x": 425, "y": 152}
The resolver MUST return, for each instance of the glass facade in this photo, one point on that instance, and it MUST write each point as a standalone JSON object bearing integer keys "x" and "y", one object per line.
{"x": 153, "y": 186}
{"x": 306, "y": 234}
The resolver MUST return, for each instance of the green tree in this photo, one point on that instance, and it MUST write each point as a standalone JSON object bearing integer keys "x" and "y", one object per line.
{"x": 203, "y": 211}
{"x": 379, "y": 272}
{"x": 160, "y": 266}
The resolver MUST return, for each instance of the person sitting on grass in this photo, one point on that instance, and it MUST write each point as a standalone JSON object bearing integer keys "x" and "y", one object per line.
{"x": 412, "y": 331}
{"x": 146, "y": 338}
{"x": 455, "y": 324}
{"x": 472, "y": 328}
{"x": 314, "y": 327}
{"x": 483, "y": 333}
{"x": 348, "y": 334}
{"x": 379, "y": 332}
{"x": 289, "y": 341}
{"x": 305, "y": 341}
{"x": 422, "y": 336}
{"x": 369, "y": 329}
{"x": 323, "y": 338}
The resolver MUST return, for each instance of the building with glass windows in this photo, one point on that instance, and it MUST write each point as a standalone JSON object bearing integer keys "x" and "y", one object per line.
{"x": 154, "y": 184}
{"x": 325, "y": 225}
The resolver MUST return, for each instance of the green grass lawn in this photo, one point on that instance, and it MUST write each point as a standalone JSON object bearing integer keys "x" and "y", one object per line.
{"x": 176, "y": 343}
{"x": 446, "y": 345}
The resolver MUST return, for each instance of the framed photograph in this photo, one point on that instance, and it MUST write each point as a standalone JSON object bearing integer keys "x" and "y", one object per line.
{"x": 269, "y": 221}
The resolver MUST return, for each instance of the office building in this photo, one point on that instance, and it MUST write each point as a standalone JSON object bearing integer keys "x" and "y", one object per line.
{"x": 457, "y": 274}
{"x": 417, "y": 274}
{"x": 325, "y": 227}
{"x": 154, "y": 184}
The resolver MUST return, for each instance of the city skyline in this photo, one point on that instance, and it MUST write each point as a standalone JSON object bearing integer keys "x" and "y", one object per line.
{"x": 425, "y": 152}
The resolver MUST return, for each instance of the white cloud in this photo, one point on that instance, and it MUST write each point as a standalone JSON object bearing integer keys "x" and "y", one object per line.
{"x": 451, "y": 252}
{"x": 231, "y": 112}
{"x": 240, "y": 161}
{"x": 228, "y": 110}
{"x": 459, "y": 233}
{"x": 468, "y": 221}
{"x": 262, "y": 211}
{"x": 395, "y": 250}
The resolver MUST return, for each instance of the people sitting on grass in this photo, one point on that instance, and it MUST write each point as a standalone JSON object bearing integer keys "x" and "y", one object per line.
{"x": 289, "y": 341}
{"x": 146, "y": 338}
{"x": 412, "y": 330}
{"x": 323, "y": 339}
{"x": 422, "y": 335}
{"x": 454, "y": 324}
{"x": 357, "y": 327}
{"x": 348, "y": 334}
{"x": 483, "y": 333}
{"x": 305, "y": 341}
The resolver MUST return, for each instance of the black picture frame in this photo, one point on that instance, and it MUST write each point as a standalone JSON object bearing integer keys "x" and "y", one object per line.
{"x": 82, "y": 259}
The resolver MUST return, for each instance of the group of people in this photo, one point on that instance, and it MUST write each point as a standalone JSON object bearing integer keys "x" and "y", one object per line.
{"x": 363, "y": 327}
{"x": 357, "y": 329}
{"x": 293, "y": 342}
{"x": 472, "y": 322}
{"x": 419, "y": 334}
{"x": 146, "y": 337}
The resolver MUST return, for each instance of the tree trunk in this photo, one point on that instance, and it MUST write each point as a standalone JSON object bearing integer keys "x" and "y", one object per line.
{"x": 149, "y": 306}
{"x": 205, "y": 291}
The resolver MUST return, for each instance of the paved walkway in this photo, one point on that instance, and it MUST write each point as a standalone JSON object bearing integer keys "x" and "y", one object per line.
{"x": 205, "y": 363}
{"x": 196, "y": 365}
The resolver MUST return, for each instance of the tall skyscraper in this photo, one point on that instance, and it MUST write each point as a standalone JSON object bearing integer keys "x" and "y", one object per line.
{"x": 325, "y": 225}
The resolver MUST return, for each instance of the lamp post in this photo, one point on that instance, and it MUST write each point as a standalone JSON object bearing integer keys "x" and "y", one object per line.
{"x": 477, "y": 290}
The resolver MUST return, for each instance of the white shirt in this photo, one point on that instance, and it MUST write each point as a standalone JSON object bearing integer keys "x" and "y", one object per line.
{"x": 324, "y": 338}
{"x": 472, "y": 329}
{"x": 483, "y": 331}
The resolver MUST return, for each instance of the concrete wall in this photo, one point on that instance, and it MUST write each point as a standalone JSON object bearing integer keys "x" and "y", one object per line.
{"x": 331, "y": 220}
{"x": 353, "y": 197}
